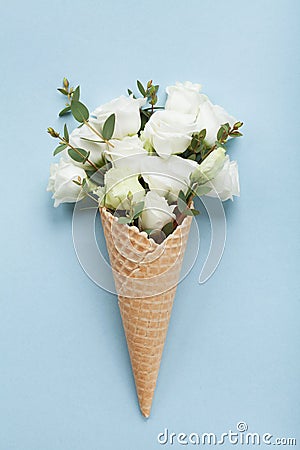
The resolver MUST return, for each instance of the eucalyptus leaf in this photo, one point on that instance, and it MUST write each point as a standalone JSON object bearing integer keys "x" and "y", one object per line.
{"x": 168, "y": 228}
{"x": 79, "y": 111}
{"x": 148, "y": 230}
{"x": 92, "y": 140}
{"x": 108, "y": 127}
{"x": 226, "y": 126}
{"x": 138, "y": 209}
{"x": 202, "y": 190}
{"x": 221, "y": 133}
{"x": 66, "y": 133}
{"x": 141, "y": 88}
{"x": 65, "y": 111}
{"x": 124, "y": 220}
{"x": 191, "y": 212}
{"x": 78, "y": 154}
{"x": 181, "y": 205}
{"x": 181, "y": 202}
{"x": 181, "y": 195}
{"x": 59, "y": 149}
{"x": 76, "y": 94}
{"x": 202, "y": 134}
{"x": 62, "y": 91}
{"x": 236, "y": 134}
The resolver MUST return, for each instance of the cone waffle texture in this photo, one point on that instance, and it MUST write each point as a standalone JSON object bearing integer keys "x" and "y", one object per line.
{"x": 146, "y": 275}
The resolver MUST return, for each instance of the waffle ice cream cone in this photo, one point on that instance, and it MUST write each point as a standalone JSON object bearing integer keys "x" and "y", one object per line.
{"x": 146, "y": 276}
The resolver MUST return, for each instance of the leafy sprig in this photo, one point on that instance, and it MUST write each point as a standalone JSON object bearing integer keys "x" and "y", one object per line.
{"x": 81, "y": 113}
{"x": 199, "y": 149}
{"x": 150, "y": 93}
{"x": 77, "y": 154}
{"x": 68, "y": 92}
{"x": 134, "y": 211}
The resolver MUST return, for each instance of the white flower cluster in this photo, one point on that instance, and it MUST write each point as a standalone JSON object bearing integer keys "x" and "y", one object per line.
{"x": 149, "y": 166}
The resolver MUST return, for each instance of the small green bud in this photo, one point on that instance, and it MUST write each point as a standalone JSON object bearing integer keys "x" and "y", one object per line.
{"x": 237, "y": 125}
{"x": 149, "y": 84}
{"x": 66, "y": 83}
{"x": 52, "y": 132}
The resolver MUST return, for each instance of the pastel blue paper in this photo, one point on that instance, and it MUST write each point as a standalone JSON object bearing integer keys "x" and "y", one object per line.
{"x": 232, "y": 352}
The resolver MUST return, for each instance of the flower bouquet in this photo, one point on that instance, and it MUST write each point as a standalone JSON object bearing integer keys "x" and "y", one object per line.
{"x": 143, "y": 164}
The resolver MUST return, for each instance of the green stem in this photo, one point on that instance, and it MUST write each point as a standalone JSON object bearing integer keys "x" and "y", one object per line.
{"x": 77, "y": 151}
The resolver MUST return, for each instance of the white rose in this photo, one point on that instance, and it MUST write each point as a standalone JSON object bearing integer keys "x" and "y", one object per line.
{"x": 78, "y": 140}
{"x": 226, "y": 183}
{"x": 210, "y": 167}
{"x": 168, "y": 132}
{"x": 61, "y": 182}
{"x": 157, "y": 212}
{"x": 124, "y": 152}
{"x": 167, "y": 176}
{"x": 127, "y": 111}
{"x": 184, "y": 98}
{"x": 117, "y": 186}
{"x": 211, "y": 117}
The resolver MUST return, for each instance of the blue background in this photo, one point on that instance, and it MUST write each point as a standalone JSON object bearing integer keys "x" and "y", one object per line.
{"x": 232, "y": 352}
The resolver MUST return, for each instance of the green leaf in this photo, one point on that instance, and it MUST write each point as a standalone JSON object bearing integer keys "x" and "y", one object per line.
{"x": 221, "y": 133}
{"x": 76, "y": 94}
{"x": 200, "y": 147}
{"x": 79, "y": 111}
{"x": 202, "y": 190}
{"x": 59, "y": 149}
{"x": 194, "y": 142}
{"x": 144, "y": 120}
{"x": 92, "y": 140}
{"x": 131, "y": 93}
{"x": 181, "y": 202}
{"x": 62, "y": 91}
{"x": 148, "y": 230}
{"x": 191, "y": 212}
{"x": 138, "y": 209}
{"x": 141, "y": 88}
{"x": 65, "y": 111}
{"x": 108, "y": 127}
{"x": 124, "y": 220}
{"x": 66, "y": 133}
{"x": 181, "y": 195}
{"x": 236, "y": 134}
{"x": 226, "y": 126}
{"x": 202, "y": 134}
{"x": 168, "y": 228}
{"x": 79, "y": 154}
